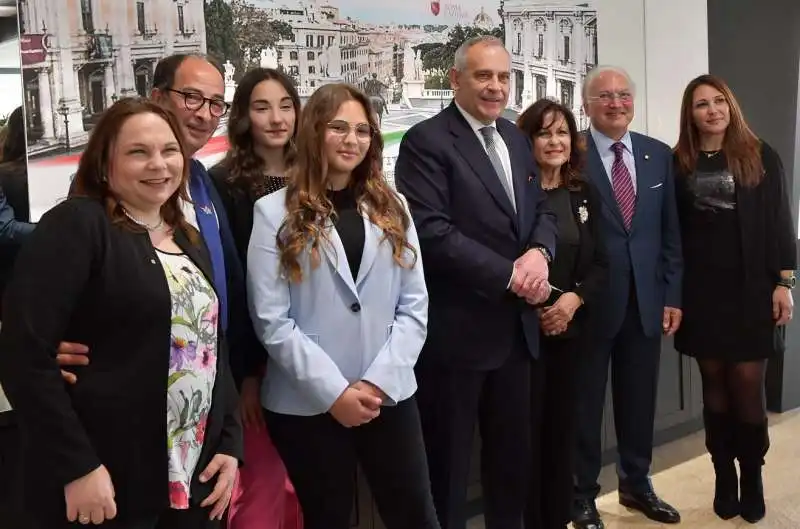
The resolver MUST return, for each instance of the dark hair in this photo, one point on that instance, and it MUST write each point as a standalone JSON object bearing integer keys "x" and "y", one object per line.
{"x": 14, "y": 147}
{"x": 167, "y": 67}
{"x": 243, "y": 164}
{"x": 91, "y": 180}
{"x": 307, "y": 204}
{"x": 741, "y": 146}
{"x": 532, "y": 121}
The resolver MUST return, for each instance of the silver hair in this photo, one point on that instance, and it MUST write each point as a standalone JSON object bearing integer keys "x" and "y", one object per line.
{"x": 597, "y": 71}
{"x": 460, "y": 60}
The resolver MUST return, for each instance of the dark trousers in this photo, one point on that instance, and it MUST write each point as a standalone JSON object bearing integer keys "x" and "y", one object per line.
{"x": 635, "y": 360}
{"x": 550, "y": 493}
{"x": 499, "y": 401}
{"x": 321, "y": 459}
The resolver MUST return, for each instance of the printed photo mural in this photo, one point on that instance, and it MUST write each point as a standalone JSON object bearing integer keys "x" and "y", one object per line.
{"x": 79, "y": 56}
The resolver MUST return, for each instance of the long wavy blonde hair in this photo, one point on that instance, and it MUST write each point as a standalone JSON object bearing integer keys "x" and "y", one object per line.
{"x": 307, "y": 204}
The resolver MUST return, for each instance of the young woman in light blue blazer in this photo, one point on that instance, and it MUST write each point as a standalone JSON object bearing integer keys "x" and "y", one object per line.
{"x": 338, "y": 298}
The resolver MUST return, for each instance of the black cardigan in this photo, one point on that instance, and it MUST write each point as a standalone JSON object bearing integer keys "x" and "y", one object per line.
{"x": 589, "y": 273}
{"x": 767, "y": 232}
{"x": 81, "y": 279}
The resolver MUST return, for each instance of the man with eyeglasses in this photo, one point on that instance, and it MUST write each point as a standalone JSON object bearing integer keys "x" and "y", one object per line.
{"x": 633, "y": 174}
{"x": 192, "y": 87}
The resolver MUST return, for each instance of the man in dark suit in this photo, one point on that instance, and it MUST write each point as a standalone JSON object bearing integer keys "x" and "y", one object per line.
{"x": 486, "y": 239}
{"x": 639, "y": 223}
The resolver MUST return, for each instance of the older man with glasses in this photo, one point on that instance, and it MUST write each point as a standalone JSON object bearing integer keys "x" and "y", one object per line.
{"x": 639, "y": 224}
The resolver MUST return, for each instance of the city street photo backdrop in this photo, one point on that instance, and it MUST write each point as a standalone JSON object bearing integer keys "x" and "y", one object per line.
{"x": 79, "y": 56}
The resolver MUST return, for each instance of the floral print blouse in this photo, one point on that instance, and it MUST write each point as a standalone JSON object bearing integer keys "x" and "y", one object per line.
{"x": 192, "y": 370}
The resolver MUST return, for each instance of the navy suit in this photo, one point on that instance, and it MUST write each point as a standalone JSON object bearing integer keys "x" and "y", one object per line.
{"x": 646, "y": 267}
{"x": 476, "y": 363}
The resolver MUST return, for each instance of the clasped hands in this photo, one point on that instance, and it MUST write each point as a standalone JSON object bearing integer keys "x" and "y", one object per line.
{"x": 358, "y": 404}
{"x": 529, "y": 278}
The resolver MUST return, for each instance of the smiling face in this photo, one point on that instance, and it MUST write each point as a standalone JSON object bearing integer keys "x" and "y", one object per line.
{"x": 199, "y": 79}
{"x": 347, "y": 139}
{"x": 272, "y": 115}
{"x": 552, "y": 145}
{"x": 710, "y": 110}
{"x": 482, "y": 87}
{"x": 146, "y": 163}
{"x": 610, "y": 104}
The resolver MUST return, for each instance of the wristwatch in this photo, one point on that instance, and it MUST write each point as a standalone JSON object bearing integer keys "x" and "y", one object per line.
{"x": 787, "y": 282}
{"x": 544, "y": 251}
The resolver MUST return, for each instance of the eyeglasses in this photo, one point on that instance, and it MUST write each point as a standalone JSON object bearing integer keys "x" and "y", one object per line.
{"x": 341, "y": 129}
{"x": 194, "y": 101}
{"x": 608, "y": 97}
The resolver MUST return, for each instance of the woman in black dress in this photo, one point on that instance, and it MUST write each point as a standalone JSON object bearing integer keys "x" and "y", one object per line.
{"x": 578, "y": 272}
{"x": 739, "y": 261}
{"x": 261, "y": 132}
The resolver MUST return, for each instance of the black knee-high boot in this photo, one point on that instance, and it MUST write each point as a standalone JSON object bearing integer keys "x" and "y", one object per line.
{"x": 720, "y": 441}
{"x": 753, "y": 441}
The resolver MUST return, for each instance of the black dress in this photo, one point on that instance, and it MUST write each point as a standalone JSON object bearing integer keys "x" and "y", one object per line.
{"x": 726, "y": 301}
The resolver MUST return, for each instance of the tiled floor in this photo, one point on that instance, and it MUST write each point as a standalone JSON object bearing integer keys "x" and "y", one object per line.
{"x": 683, "y": 476}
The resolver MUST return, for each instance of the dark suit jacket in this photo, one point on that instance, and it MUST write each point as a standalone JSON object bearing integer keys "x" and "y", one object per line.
{"x": 651, "y": 252}
{"x": 470, "y": 236}
{"x": 247, "y": 354}
{"x": 82, "y": 279}
{"x": 589, "y": 270}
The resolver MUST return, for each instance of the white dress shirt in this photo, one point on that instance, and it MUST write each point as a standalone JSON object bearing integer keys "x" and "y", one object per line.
{"x": 604, "y": 144}
{"x": 500, "y": 144}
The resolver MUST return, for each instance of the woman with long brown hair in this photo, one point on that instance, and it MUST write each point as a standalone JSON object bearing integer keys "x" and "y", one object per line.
{"x": 262, "y": 128}
{"x": 739, "y": 262}
{"x": 338, "y": 299}
{"x": 148, "y": 435}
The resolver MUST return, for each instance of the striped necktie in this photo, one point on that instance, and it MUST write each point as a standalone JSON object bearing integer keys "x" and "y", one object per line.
{"x": 623, "y": 186}
{"x": 494, "y": 157}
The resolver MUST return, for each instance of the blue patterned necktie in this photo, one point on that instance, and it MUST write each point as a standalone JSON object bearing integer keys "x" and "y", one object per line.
{"x": 209, "y": 230}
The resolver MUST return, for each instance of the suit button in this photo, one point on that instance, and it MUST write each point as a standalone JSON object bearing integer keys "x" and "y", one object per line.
{"x": 355, "y": 307}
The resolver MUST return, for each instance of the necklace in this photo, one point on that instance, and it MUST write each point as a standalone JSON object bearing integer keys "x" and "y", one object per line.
{"x": 712, "y": 153}
{"x": 142, "y": 223}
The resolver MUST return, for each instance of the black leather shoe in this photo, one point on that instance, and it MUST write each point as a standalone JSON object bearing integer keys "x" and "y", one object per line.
{"x": 651, "y": 506}
{"x": 585, "y": 515}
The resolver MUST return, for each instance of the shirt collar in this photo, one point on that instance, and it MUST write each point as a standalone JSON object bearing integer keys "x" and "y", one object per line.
{"x": 474, "y": 123}
{"x": 604, "y": 143}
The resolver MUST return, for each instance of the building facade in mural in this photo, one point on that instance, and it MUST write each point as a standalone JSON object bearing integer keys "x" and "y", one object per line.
{"x": 553, "y": 45}
{"x": 82, "y": 55}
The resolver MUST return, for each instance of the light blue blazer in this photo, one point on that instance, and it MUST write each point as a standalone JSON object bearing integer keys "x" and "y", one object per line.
{"x": 329, "y": 331}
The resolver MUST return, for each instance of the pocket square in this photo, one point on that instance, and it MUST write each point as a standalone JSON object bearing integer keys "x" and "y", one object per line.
{"x": 657, "y": 185}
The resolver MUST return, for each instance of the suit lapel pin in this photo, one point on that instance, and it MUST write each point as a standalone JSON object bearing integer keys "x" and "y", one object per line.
{"x": 530, "y": 178}
{"x": 207, "y": 210}
{"x": 646, "y": 156}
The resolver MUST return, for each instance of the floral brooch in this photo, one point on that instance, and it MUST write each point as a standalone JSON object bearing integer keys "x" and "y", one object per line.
{"x": 583, "y": 213}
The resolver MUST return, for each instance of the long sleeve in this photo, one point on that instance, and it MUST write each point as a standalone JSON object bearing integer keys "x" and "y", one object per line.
{"x": 313, "y": 371}
{"x": 393, "y": 368}
{"x": 12, "y": 231}
{"x": 231, "y": 441}
{"x": 421, "y": 177}
{"x": 783, "y": 226}
{"x": 545, "y": 232}
{"x": 672, "y": 253}
{"x": 51, "y": 273}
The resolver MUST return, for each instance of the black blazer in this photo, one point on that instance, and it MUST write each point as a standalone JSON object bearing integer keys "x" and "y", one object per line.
{"x": 81, "y": 279}
{"x": 470, "y": 236}
{"x": 767, "y": 234}
{"x": 589, "y": 270}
